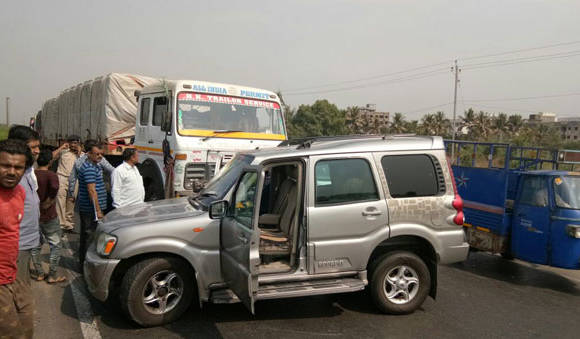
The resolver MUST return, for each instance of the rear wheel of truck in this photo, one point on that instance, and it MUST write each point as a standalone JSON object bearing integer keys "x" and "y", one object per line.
{"x": 400, "y": 282}
{"x": 157, "y": 291}
{"x": 152, "y": 180}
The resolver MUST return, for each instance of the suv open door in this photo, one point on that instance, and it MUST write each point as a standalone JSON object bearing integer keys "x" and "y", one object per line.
{"x": 240, "y": 239}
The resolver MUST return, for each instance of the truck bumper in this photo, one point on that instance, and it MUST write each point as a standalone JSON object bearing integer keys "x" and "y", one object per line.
{"x": 98, "y": 272}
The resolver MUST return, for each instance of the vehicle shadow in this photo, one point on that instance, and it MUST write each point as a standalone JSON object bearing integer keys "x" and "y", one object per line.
{"x": 204, "y": 323}
{"x": 498, "y": 268}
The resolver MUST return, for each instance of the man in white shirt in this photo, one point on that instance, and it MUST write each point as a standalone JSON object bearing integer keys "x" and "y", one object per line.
{"x": 127, "y": 182}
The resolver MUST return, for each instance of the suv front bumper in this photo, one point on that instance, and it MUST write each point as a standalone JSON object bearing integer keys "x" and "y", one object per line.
{"x": 98, "y": 272}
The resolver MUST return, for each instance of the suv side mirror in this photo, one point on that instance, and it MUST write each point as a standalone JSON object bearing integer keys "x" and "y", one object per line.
{"x": 218, "y": 209}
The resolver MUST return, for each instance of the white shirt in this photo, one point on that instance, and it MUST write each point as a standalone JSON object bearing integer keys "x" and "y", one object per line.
{"x": 127, "y": 186}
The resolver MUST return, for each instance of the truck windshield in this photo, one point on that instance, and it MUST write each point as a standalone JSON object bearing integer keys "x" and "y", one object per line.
{"x": 211, "y": 115}
{"x": 217, "y": 188}
{"x": 567, "y": 191}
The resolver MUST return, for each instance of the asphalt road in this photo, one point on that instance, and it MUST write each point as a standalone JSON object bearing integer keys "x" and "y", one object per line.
{"x": 483, "y": 297}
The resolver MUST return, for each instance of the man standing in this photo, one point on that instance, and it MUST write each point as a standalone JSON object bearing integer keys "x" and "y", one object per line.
{"x": 29, "y": 230}
{"x": 16, "y": 304}
{"x": 65, "y": 207}
{"x": 72, "y": 180}
{"x": 49, "y": 226}
{"x": 92, "y": 195}
{"x": 127, "y": 182}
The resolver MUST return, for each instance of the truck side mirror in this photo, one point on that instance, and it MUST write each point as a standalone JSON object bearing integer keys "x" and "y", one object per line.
{"x": 218, "y": 209}
{"x": 166, "y": 123}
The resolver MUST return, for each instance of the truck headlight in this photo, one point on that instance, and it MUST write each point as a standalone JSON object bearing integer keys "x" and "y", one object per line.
{"x": 573, "y": 231}
{"x": 106, "y": 244}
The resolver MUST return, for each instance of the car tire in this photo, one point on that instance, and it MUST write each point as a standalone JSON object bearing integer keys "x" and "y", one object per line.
{"x": 388, "y": 287}
{"x": 157, "y": 291}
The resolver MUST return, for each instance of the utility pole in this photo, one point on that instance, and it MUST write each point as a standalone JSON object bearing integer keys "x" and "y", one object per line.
{"x": 7, "y": 111}
{"x": 455, "y": 70}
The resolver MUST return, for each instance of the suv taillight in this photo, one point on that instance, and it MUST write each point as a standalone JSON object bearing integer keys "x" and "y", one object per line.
{"x": 457, "y": 203}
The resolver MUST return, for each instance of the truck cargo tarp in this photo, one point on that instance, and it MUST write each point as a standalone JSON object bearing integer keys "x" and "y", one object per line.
{"x": 103, "y": 108}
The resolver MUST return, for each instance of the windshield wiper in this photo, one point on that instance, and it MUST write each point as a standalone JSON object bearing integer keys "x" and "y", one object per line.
{"x": 220, "y": 131}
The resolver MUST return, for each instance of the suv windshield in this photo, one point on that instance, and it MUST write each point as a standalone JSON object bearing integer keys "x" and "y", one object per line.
{"x": 217, "y": 188}
{"x": 230, "y": 117}
{"x": 567, "y": 191}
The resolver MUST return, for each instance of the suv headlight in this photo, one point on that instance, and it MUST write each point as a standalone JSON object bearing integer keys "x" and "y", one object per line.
{"x": 106, "y": 244}
{"x": 573, "y": 231}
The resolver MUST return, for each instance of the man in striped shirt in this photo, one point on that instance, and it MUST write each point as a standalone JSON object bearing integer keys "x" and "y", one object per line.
{"x": 92, "y": 198}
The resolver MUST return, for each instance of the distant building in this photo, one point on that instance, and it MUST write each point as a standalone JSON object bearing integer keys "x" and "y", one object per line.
{"x": 569, "y": 129}
{"x": 370, "y": 114}
{"x": 542, "y": 117}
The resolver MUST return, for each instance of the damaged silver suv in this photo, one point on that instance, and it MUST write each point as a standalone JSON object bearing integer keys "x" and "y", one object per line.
{"x": 316, "y": 216}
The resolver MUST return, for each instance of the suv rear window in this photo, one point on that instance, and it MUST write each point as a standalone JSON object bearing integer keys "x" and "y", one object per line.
{"x": 343, "y": 181}
{"x": 410, "y": 175}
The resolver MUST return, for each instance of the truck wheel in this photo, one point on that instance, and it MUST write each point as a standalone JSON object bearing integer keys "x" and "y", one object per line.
{"x": 152, "y": 181}
{"x": 157, "y": 291}
{"x": 400, "y": 282}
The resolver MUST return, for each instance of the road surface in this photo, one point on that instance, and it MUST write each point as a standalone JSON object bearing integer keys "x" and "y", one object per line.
{"x": 485, "y": 296}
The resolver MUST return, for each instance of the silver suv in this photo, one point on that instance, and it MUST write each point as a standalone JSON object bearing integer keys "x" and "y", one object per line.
{"x": 318, "y": 216}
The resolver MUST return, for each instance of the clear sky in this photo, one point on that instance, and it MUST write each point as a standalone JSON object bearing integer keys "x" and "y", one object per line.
{"x": 298, "y": 46}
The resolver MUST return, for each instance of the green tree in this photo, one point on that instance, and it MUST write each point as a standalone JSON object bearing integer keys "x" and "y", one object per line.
{"x": 354, "y": 120}
{"x": 435, "y": 124}
{"x": 412, "y": 127}
{"x": 467, "y": 123}
{"x": 320, "y": 118}
{"x": 514, "y": 124}
{"x": 482, "y": 126}
{"x": 500, "y": 125}
{"x": 398, "y": 125}
{"x": 442, "y": 125}
{"x": 288, "y": 117}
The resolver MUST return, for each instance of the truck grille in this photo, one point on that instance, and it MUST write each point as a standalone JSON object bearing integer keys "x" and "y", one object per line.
{"x": 200, "y": 172}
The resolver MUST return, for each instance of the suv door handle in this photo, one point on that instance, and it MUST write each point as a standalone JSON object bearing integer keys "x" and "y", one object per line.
{"x": 371, "y": 213}
{"x": 243, "y": 239}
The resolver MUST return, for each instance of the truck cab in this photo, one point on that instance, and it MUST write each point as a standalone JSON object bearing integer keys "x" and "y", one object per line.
{"x": 520, "y": 202}
{"x": 546, "y": 219}
{"x": 186, "y": 130}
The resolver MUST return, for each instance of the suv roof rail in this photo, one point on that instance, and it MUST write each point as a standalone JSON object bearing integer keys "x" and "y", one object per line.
{"x": 307, "y": 141}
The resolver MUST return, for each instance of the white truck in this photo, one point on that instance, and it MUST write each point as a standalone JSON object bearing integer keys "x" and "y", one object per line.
{"x": 184, "y": 130}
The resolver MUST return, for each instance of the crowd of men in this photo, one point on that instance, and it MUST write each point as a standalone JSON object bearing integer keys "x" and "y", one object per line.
{"x": 37, "y": 205}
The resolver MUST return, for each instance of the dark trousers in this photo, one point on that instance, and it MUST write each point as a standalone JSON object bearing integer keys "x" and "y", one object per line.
{"x": 88, "y": 227}
{"x": 23, "y": 264}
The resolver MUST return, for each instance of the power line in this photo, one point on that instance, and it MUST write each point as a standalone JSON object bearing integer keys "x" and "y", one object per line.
{"x": 523, "y": 58}
{"x": 527, "y": 98}
{"x": 392, "y": 81}
{"x": 427, "y": 108}
{"x": 526, "y": 60}
{"x": 522, "y": 50}
{"x": 367, "y": 78}
{"x": 416, "y": 76}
